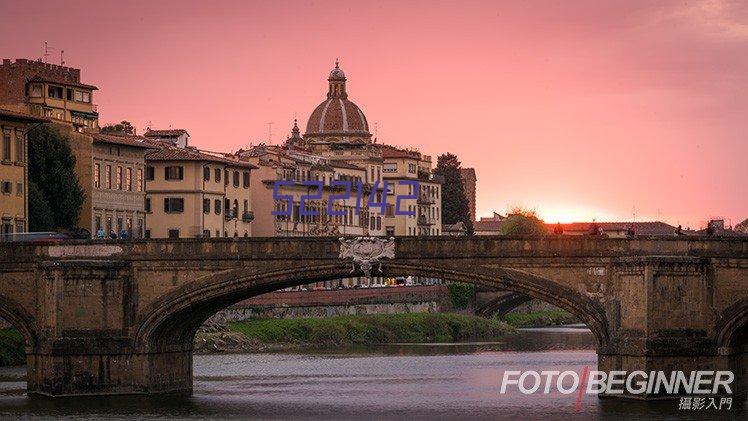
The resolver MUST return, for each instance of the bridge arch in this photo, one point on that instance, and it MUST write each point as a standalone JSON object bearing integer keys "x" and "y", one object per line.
{"x": 731, "y": 326}
{"x": 173, "y": 320}
{"x": 17, "y": 316}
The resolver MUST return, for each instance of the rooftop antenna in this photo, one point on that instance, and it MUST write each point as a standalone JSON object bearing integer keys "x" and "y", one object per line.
{"x": 46, "y": 51}
{"x": 376, "y": 129}
{"x": 270, "y": 133}
{"x": 634, "y": 212}
{"x": 62, "y": 57}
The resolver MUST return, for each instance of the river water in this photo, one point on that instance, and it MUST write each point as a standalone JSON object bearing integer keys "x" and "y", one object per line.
{"x": 409, "y": 380}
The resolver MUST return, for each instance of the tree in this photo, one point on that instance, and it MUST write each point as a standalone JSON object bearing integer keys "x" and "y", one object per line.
{"x": 522, "y": 221}
{"x": 52, "y": 171}
{"x": 40, "y": 214}
{"x": 123, "y": 127}
{"x": 455, "y": 206}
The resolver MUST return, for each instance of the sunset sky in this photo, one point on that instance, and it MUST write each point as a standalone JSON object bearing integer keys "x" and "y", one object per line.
{"x": 580, "y": 109}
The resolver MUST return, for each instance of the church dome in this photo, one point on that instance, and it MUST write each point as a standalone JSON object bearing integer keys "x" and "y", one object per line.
{"x": 337, "y": 118}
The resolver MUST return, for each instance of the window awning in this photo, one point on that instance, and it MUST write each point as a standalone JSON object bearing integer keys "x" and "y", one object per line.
{"x": 92, "y": 116}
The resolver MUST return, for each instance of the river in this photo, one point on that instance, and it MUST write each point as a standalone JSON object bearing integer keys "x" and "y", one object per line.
{"x": 408, "y": 380}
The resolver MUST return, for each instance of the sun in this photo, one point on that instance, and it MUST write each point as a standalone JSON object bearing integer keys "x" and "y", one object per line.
{"x": 571, "y": 213}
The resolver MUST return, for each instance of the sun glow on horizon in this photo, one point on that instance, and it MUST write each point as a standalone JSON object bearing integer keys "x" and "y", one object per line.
{"x": 572, "y": 213}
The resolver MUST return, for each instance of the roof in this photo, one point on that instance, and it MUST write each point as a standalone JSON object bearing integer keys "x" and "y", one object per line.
{"x": 62, "y": 82}
{"x": 640, "y": 228}
{"x": 127, "y": 140}
{"x": 163, "y": 133}
{"x": 20, "y": 116}
{"x": 189, "y": 154}
{"x": 335, "y": 163}
{"x": 393, "y": 152}
{"x": 494, "y": 225}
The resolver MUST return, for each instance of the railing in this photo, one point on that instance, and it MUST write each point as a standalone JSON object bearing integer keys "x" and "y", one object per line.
{"x": 425, "y": 220}
{"x": 229, "y": 215}
{"x": 425, "y": 199}
{"x": 248, "y": 216}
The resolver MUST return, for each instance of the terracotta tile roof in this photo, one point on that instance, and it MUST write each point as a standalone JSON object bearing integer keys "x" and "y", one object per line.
{"x": 161, "y": 133}
{"x": 17, "y": 115}
{"x": 166, "y": 153}
{"x": 128, "y": 140}
{"x": 343, "y": 164}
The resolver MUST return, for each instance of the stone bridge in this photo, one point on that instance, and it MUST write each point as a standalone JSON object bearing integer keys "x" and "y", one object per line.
{"x": 119, "y": 317}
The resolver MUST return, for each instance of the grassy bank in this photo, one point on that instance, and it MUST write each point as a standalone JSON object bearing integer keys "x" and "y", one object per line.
{"x": 373, "y": 329}
{"x": 11, "y": 348}
{"x": 540, "y": 319}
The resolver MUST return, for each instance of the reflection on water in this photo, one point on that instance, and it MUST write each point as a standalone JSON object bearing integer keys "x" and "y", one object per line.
{"x": 435, "y": 381}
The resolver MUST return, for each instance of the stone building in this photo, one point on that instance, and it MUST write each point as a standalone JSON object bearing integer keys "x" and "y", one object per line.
{"x": 196, "y": 194}
{"x": 14, "y": 215}
{"x": 469, "y": 181}
{"x": 48, "y": 90}
{"x": 118, "y": 193}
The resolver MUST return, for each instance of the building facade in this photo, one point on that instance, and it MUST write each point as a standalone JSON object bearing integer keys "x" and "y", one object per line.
{"x": 196, "y": 194}
{"x": 14, "y": 177}
{"x": 48, "y": 90}
{"x": 118, "y": 192}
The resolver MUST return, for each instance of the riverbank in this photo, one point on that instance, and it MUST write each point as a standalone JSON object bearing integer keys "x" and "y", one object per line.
{"x": 259, "y": 335}
{"x": 11, "y": 348}
{"x": 541, "y": 319}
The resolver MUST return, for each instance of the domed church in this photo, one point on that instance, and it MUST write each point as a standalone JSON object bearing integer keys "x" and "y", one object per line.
{"x": 337, "y": 123}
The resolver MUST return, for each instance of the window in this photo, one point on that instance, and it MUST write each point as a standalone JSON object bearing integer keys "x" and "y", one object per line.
{"x": 97, "y": 176}
{"x": 227, "y": 206}
{"x": 97, "y": 223}
{"x": 119, "y": 178}
{"x": 245, "y": 179}
{"x": 19, "y": 189}
{"x": 206, "y": 205}
{"x": 140, "y": 228}
{"x": 108, "y": 176}
{"x": 108, "y": 224}
{"x": 35, "y": 91}
{"x": 82, "y": 96}
{"x": 226, "y": 177}
{"x": 7, "y": 228}
{"x": 147, "y": 234}
{"x": 206, "y": 233}
{"x": 173, "y": 205}
{"x": 206, "y": 174}
{"x": 119, "y": 225}
{"x": 218, "y": 209}
{"x": 390, "y": 167}
{"x": 246, "y": 206}
{"x": 139, "y": 179}
{"x": 6, "y": 146}
{"x": 150, "y": 173}
{"x": 54, "y": 91}
{"x": 6, "y": 187}
{"x": 147, "y": 205}
{"x": 69, "y": 95}
{"x": 19, "y": 147}
{"x": 20, "y": 226}
{"x": 218, "y": 175}
{"x": 128, "y": 179}
{"x": 173, "y": 233}
{"x": 174, "y": 173}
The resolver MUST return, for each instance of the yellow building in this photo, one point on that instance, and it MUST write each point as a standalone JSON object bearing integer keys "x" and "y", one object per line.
{"x": 48, "y": 90}
{"x": 195, "y": 194}
{"x": 401, "y": 168}
{"x": 14, "y": 215}
{"x": 118, "y": 190}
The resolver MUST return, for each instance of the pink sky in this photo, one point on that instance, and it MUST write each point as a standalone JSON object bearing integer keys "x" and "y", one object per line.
{"x": 580, "y": 109}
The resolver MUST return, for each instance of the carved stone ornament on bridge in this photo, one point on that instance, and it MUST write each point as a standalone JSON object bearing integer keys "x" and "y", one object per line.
{"x": 367, "y": 251}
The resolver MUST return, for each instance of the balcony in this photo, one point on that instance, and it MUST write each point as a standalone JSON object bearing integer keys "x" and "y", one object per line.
{"x": 248, "y": 216}
{"x": 230, "y": 215}
{"x": 424, "y": 199}
{"x": 425, "y": 220}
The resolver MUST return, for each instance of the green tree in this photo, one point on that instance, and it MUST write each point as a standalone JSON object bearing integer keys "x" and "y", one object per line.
{"x": 455, "y": 206}
{"x": 40, "y": 214}
{"x": 522, "y": 221}
{"x": 52, "y": 170}
{"x": 122, "y": 127}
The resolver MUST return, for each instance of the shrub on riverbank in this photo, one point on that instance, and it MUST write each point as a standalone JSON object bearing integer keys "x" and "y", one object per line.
{"x": 11, "y": 348}
{"x": 374, "y": 329}
{"x": 541, "y": 318}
